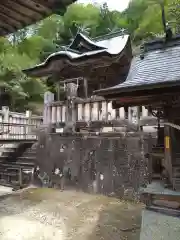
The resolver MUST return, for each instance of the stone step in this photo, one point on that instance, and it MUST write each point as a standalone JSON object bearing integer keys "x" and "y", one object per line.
{"x": 175, "y": 164}
{"x": 17, "y": 163}
{"x": 29, "y": 155}
{"x": 6, "y": 148}
{"x": 27, "y": 158}
{"x": 176, "y": 167}
{"x": 176, "y": 182}
{"x": 176, "y": 175}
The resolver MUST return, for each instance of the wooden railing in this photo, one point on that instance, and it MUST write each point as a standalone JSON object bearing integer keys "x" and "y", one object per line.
{"x": 16, "y": 126}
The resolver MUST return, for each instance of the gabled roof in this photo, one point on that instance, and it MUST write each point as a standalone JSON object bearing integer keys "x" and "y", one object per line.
{"x": 158, "y": 67}
{"x": 110, "y": 48}
{"x": 82, "y": 41}
{"x": 17, "y": 14}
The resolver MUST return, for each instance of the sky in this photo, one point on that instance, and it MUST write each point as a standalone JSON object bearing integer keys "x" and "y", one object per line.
{"x": 119, "y": 5}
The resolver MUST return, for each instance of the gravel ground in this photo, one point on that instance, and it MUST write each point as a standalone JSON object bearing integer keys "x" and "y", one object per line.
{"x": 5, "y": 190}
{"x": 48, "y": 214}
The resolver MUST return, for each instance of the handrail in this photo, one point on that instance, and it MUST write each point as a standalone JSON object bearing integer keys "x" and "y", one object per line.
{"x": 172, "y": 125}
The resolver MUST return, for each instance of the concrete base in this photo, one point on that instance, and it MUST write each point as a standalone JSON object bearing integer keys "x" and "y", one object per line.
{"x": 158, "y": 226}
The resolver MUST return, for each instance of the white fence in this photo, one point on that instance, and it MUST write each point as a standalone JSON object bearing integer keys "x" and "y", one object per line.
{"x": 15, "y": 125}
{"x": 100, "y": 110}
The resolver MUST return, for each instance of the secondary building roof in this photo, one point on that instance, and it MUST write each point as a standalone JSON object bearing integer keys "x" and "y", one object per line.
{"x": 158, "y": 66}
{"x": 17, "y": 14}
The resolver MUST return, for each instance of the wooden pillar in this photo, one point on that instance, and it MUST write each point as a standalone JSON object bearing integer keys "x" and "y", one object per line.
{"x": 168, "y": 150}
{"x": 85, "y": 88}
{"x": 74, "y": 112}
{"x": 138, "y": 117}
{"x": 58, "y": 91}
{"x": 32, "y": 176}
{"x": 20, "y": 177}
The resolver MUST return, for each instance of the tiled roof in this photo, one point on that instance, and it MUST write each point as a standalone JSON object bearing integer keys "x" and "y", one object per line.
{"x": 158, "y": 67}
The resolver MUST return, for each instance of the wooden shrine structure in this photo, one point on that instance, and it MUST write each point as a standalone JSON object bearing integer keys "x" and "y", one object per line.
{"x": 84, "y": 66}
{"x": 99, "y": 145}
{"x": 154, "y": 82}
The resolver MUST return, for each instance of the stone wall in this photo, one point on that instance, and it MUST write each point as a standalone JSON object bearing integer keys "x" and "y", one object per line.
{"x": 111, "y": 164}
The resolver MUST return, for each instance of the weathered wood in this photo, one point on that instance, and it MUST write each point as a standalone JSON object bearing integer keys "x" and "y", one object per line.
{"x": 85, "y": 88}
{"x": 15, "y": 15}
{"x": 20, "y": 177}
{"x": 168, "y": 151}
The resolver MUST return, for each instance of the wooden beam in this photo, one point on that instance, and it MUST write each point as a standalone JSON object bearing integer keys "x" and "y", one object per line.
{"x": 3, "y": 32}
{"x": 14, "y": 15}
{"x": 7, "y": 27}
{"x": 25, "y": 12}
{"x": 34, "y": 6}
{"x": 8, "y": 20}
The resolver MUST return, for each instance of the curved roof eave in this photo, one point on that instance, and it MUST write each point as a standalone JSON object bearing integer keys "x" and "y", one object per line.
{"x": 111, "y": 48}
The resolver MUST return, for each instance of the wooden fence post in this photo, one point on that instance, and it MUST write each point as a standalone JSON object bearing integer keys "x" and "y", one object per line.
{"x": 28, "y": 128}
{"x": 144, "y": 112}
{"x": 5, "y": 111}
{"x": 5, "y": 128}
{"x": 130, "y": 114}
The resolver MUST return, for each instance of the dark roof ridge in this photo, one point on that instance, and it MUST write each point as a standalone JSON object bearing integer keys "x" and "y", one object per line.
{"x": 160, "y": 43}
{"x": 95, "y": 40}
{"x": 109, "y": 35}
{"x": 102, "y": 37}
{"x": 86, "y": 39}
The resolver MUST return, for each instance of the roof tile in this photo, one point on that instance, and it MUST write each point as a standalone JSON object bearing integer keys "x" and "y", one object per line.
{"x": 157, "y": 67}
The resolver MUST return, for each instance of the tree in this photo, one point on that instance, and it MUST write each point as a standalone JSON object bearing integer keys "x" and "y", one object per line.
{"x": 174, "y": 14}
{"x": 150, "y": 18}
{"x": 109, "y": 21}
{"x": 134, "y": 15}
{"x": 30, "y": 46}
{"x": 22, "y": 90}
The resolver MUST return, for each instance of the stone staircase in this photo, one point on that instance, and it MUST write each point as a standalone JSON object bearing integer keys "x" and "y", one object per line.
{"x": 17, "y": 162}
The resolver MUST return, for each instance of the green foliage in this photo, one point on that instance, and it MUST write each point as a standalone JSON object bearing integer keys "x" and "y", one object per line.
{"x": 22, "y": 90}
{"x": 142, "y": 19}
